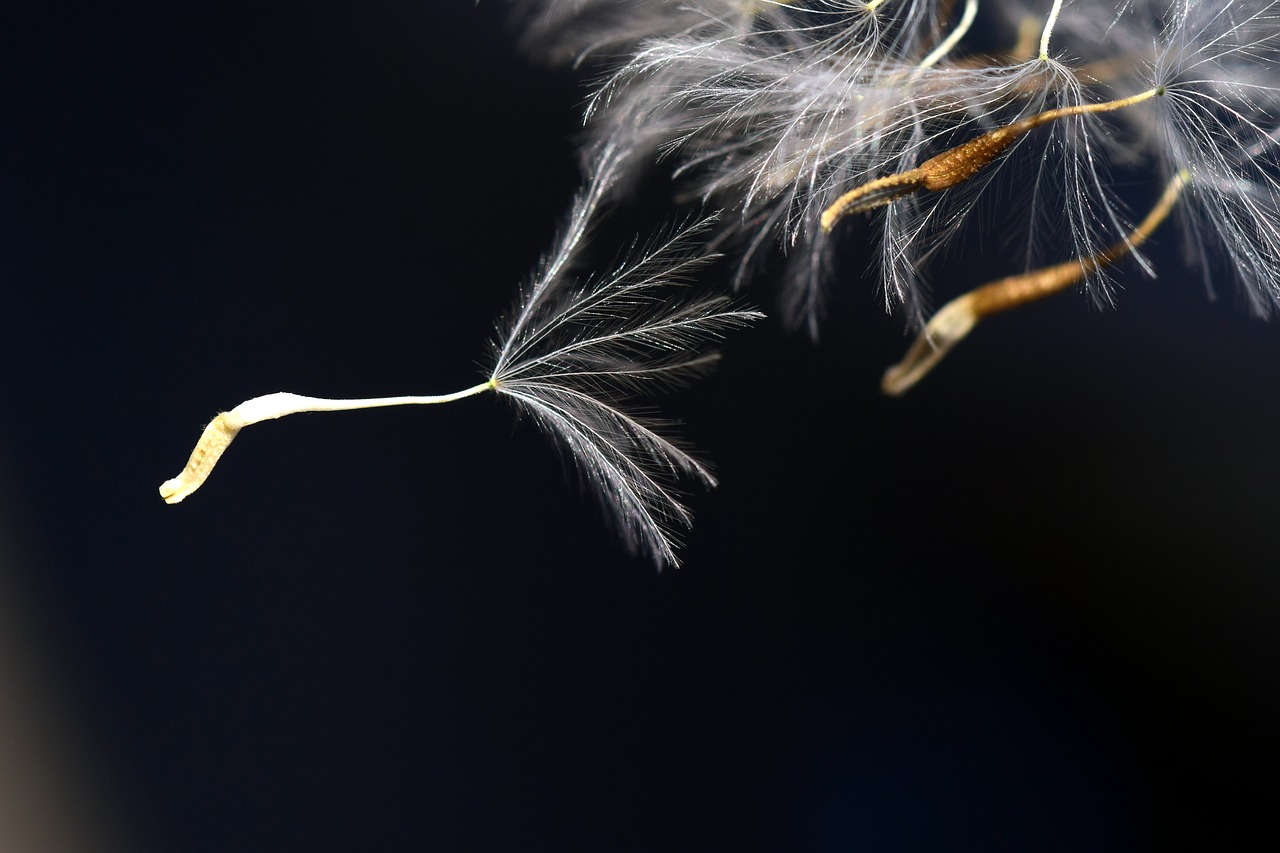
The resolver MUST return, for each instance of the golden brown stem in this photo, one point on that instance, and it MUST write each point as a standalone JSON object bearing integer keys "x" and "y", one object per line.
{"x": 957, "y": 318}
{"x": 957, "y": 165}
{"x": 1020, "y": 289}
{"x": 871, "y": 195}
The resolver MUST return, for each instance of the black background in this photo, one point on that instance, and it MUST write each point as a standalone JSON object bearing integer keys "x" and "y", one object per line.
{"x": 1031, "y": 606}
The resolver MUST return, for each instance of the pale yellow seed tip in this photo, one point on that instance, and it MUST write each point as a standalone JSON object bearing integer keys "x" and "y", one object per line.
{"x": 216, "y": 438}
{"x": 948, "y": 327}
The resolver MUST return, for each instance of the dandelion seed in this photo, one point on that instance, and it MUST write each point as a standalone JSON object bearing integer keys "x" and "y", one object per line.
{"x": 573, "y": 353}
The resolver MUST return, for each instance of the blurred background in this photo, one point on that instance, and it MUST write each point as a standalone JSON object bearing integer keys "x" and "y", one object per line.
{"x": 1031, "y": 606}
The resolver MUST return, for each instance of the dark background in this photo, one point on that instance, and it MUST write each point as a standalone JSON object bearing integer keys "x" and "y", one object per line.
{"x": 1031, "y": 606}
